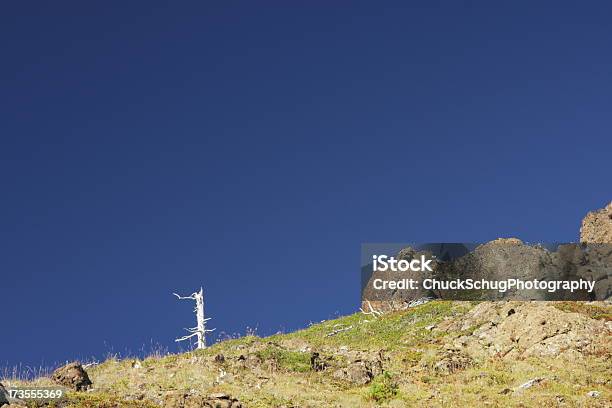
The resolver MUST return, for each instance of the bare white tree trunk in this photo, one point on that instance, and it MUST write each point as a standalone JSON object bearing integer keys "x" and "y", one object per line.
{"x": 199, "y": 332}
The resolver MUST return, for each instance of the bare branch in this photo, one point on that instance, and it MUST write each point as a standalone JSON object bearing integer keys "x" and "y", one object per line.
{"x": 339, "y": 330}
{"x": 372, "y": 311}
{"x": 187, "y": 337}
{"x": 192, "y": 296}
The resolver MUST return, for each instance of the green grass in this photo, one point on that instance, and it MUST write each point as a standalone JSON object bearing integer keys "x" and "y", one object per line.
{"x": 395, "y": 330}
{"x": 97, "y": 400}
{"x": 383, "y": 388}
{"x": 593, "y": 311}
{"x": 410, "y": 349}
{"x": 287, "y": 360}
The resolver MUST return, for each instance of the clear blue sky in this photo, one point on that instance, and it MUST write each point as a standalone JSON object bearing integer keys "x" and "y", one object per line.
{"x": 152, "y": 147}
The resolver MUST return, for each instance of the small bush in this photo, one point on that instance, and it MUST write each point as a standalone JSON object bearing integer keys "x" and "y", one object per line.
{"x": 413, "y": 357}
{"x": 383, "y": 388}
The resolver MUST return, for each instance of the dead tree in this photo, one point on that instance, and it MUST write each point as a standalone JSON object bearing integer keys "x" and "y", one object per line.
{"x": 199, "y": 332}
{"x": 373, "y": 312}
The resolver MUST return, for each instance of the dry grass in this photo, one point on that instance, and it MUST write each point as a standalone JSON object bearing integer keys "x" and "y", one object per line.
{"x": 284, "y": 378}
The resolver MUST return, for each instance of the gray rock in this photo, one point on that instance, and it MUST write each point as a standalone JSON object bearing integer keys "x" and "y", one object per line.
{"x": 316, "y": 362}
{"x": 597, "y": 226}
{"x": 593, "y": 394}
{"x": 452, "y": 361}
{"x": 357, "y": 373}
{"x": 219, "y": 395}
{"x": 390, "y": 299}
{"x": 250, "y": 361}
{"x": 3, "y": 395}
{"x": 530, "y": 383}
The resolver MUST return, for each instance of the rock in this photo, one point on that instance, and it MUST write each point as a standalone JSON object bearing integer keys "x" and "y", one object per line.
{"x": 452, "y": 361}
{"x": 250, "y": 361}
{"x": 535, "y": 381}
{"x": 593, "y": 394}
{"x": 357, "y": 373}
{"x": 497, "y": 260}
{"x": 187, "y": 400}
{"x": 419, "y": 301}
{"x": 219, "y": 359}
{"x": 72, "y": 376}
{"x": 3, "y": 395}
{"x": 219, "y": 395}
{"x": 530, "y": 383}
{"x": 384, "y": 301}
{"x": 519, "y": 329}
{"x": 597, "y": 226}
{"x": 317, "y": 363}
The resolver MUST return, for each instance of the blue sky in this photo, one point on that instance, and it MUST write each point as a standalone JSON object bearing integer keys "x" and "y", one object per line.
{"x": 150, "y": 147}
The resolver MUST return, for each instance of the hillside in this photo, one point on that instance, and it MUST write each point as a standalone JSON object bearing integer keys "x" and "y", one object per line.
{"x": 436, "y": 354}
{"x": 431, "y": 354}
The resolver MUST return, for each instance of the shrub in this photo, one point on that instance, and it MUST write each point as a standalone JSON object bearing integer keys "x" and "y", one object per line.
{"x": 383, "y": 388}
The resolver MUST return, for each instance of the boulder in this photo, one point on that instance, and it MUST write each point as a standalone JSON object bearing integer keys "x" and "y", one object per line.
{"x": 452, "y": 361}
{"x": 597, "y": 226}
{"x": 596, "y": 230}
{"x": 250, "y": 361}
{"x": 73, "y": 376}
{"x": 316, "y": 362}
{"x": 498, "y": 260}
{"x": 358, "y": 373}
{"x": 3, "y": 395}
{"x": 392, "y": 299}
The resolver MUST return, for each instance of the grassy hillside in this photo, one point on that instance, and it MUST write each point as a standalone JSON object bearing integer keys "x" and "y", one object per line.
{"x": 439, "y": 354}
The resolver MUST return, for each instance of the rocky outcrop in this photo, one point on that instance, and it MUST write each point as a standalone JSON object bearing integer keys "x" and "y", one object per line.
{"x": 498, "y": 260}
{"x": 534, "y": 329}
{"x": 597, "y": 226}
{"x": 250, "y": 361}
{"x": 358, "y": 373}
{"x": 360, "y": 368}
{"x": 592, "y": 262}
{"x": 395, "y": 299}
{"x": 317, "y": 363}
{"x": 3, "y": 395}
{"x": 73, "y": 376}
{"x": 596, "y": 231}
{"x": 452, "y": 361}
